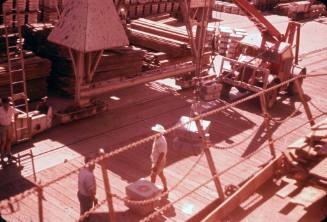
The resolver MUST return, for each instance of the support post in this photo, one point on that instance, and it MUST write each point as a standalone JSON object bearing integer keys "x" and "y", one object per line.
{"x": 304, "y": 102}
{"x": 40, "y": 200}
{"x": 107, "y": 188}
{"x": 267, "y": 125}
{"x": 212, "y": 167}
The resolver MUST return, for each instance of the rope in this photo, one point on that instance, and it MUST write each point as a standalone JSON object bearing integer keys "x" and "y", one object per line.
{"x": 167, "y": 206}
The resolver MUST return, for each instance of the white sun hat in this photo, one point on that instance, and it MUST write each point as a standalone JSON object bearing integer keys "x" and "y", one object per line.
{"x": 158, "y": 128}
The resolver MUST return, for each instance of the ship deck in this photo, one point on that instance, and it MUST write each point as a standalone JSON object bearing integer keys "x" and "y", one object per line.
{"x": 132, "y": 113}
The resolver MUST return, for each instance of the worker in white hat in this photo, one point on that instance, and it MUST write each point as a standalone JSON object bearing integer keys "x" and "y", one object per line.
{"x": 158, "y": 156}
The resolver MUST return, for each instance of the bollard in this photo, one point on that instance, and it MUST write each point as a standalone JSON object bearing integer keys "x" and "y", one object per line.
{"x": 107, "y": 189}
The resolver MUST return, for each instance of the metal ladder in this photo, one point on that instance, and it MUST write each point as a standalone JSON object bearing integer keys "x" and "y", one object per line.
{"x": 16, "y": 70}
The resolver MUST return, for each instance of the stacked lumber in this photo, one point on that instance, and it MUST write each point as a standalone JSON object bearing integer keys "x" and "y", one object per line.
{"x": 36, "y": 69}
{"x": 124, "y": 62}
{"x": 227, "y": 7}
{"x": 137, "y": 9}
{"x": 164, "y": 18}
{"x": 36, "y": 35}
{"x": 49, "y": 10}
{"x": 299, "y": 8}
{"x": 27, "y": 11}
{"x": 159, "y": 37}
{"x": 226, "y": 41}
{"x": 33, "y": 7}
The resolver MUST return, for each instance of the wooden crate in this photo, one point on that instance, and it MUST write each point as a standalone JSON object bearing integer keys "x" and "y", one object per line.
{"x": 32, "y": 17}
{"x": 33, "y": 5}
{"x": 50, "y": 4}
{"x": 147, "y": 10}
{"x": 139, "y": 10}
{"x": 162, "y": 7}
{"x": 7, "y": 6}
{"x": 175, "y": 6}
{"x": 132, "y": 11}
{"x": 169, "y": 7}
{"x": 154, "y": 9}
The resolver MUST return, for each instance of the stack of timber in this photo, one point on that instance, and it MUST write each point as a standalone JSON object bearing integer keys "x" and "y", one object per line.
{"x": 164, "y": 18}
{"x": 27, "y": 11}
{"x": 159, "y": 37}
{"x": 32, "y": 11}
{"x": 36, "y": 35}
{"x": 37, "y": 70}
{"x": 143, "y": 8}
{"x": 227, "y": 39}
{"x": 228, "y": 7}
{"x": 302, "y": 9}
{"x": 124, "y": 62}
{"x": 49, "y": 10}
{"x": 263, "y": 5}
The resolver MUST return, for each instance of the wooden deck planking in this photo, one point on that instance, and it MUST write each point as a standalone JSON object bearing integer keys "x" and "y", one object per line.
{"x": 124, "y": 126}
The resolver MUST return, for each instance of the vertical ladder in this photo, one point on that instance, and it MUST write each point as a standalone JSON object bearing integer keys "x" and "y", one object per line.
{"x": 16, "y": 70}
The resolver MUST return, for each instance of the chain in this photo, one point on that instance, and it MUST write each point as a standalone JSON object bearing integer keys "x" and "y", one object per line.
{"x": 167, "y": 206}
{"x": 87, "y": 213}
{"x": 154, "y": 199}
{"x": 235, "y": 144}
{"x": 317, "y": 108}
{"x": 5, "y": 204}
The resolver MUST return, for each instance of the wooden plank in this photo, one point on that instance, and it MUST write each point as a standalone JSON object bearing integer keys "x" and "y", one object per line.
{"x": 241, "y": 194}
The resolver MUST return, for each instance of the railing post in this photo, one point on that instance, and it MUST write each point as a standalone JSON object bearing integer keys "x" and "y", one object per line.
{"x": 267, "y": 125}
{"x": 40, "y": 200}
{"x": 212, "y": 167}
{"x": 107, "y": 188}
{"x": 304, "y": 102}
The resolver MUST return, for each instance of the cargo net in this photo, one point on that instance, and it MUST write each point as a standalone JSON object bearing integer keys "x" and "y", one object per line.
{"x": 187, "y": 124}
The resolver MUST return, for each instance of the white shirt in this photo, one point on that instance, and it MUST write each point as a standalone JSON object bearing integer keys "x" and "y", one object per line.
{"x": 6, "y": 116}
{"x": 159, "y": 146}
{"x": 86, "y": 182}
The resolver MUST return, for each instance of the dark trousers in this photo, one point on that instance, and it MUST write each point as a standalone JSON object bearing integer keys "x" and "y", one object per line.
{"x": 85, "y": 203}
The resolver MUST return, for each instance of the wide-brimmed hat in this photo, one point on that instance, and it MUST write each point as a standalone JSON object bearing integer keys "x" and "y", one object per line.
{"x": 158, "y": 128}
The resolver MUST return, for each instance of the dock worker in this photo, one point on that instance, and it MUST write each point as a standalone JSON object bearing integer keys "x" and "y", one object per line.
{"x": 158, "y": 156}
{"x": 44, "y": 108}
{"x": 87, "y": 186}
{"x": 7, "y": 114}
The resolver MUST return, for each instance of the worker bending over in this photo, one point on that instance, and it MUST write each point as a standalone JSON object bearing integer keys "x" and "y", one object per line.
{"x": 158, "y": 156}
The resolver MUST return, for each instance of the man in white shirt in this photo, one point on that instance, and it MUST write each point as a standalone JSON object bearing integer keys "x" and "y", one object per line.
{"x": 158, "y": 157}
{"x": 86, "y": 186}
{"x": 7, "y": 114}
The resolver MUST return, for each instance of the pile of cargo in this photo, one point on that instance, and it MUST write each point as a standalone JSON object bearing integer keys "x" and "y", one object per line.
{"x": 124, "y": 62}
{"x": 228, "y": 7}
{"x": 227, "y": 39}
{"x": 159, "y": 37}
{"x": 143, "y": 8}
{"x": 300, "y": 9}
{"x": 37, "y": 70}
{"x": 27, "y": 11}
